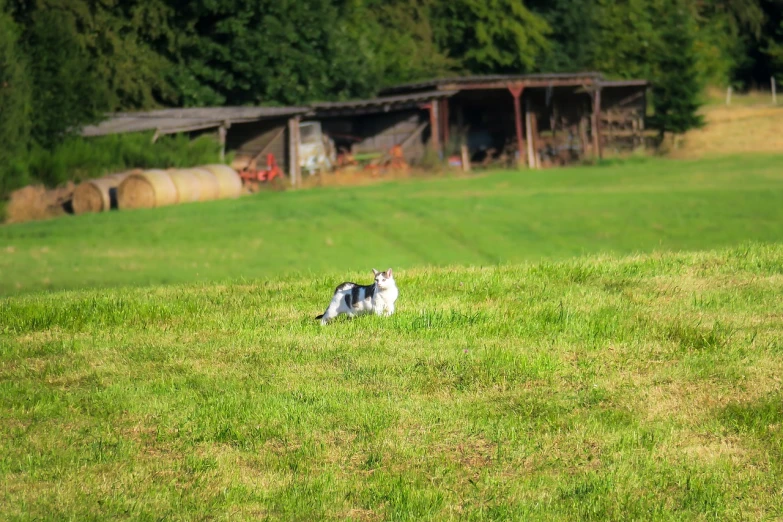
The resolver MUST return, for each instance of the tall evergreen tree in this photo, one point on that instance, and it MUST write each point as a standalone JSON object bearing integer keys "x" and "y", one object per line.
{"x": 66, "y": 93}
{"x": 677, "y": 88}
{"x": 14, "y": 102}
{"x": 396, "y": 39}
{"x": 574, "y": 25}
{"x": 490, "y": 36}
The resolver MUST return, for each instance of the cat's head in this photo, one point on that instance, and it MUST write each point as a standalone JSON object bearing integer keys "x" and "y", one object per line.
{"x": 383, "y": 279}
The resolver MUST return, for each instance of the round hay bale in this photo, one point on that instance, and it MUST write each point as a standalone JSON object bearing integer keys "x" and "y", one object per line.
{"x": 147, "y": 189}
{"x": 209, "y": 188}
{"x": 94, "y": 195}
{"x": 243, "y": 162}
{"x": 228, "y": 179}
{"x": 188, "y": 185}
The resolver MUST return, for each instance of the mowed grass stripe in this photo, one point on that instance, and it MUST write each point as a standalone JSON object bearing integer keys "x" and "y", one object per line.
{"x": 596, "y": 389}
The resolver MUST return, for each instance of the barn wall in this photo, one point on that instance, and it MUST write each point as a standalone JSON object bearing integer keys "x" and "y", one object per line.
{"x": 378, "y": 132}
{"x": 629, "y": 98}
{"x": 623, "y": 116}
{"x": 249, "y": 139}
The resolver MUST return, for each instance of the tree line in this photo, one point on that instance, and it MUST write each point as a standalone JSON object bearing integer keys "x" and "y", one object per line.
{"x": 65, "y": 63}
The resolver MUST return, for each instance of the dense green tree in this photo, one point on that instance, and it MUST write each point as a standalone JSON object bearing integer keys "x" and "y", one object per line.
{"x": 762, "y": 57}
{"x": 490, "y": 36}
{"x": 267, "y": 51}
{"x": 125, "y": 40}
{"x": 14, "y": 101}
{"x": 14, "y": 87}
{"x": 677, "y": 88}
{"x": 574, "y": 24}
{"x": 66, "y": 93}
{"x": 774, "y": 50}
{"x": 397, "y": 42}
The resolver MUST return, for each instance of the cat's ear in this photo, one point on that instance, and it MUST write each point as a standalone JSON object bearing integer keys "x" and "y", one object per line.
{"x": 389, "y": 273}
{"x": 375, "y": 272}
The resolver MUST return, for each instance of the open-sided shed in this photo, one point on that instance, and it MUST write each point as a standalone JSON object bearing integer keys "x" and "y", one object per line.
{"x": 378, "y": 124}
{"x": 249, "y": 131}
{"x": 535, "y": 117}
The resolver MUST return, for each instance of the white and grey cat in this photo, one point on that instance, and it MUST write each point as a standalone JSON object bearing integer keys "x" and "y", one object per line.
{"x": 352, "y": 299}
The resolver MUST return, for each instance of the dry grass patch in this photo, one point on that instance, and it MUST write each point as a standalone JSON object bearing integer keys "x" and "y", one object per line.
{"x": 735, "y": 130}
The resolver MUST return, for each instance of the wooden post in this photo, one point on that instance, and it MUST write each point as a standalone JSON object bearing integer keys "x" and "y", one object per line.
{"x": 597, "y": 123}
{"x": 534, "y": 140}
{"x": 774, "y": 92}
{"x": 222, "y": 130}
{"x": 293, "y": 151}
{"x": 531, "y": 158}
{"x": 516, "y": 92}
{"x": 728, "y": 95}
{"x": 444, "y": 118}
{"x": 465, "y": 158}
{"x": 583, "y": 134}
{"x": 434, "y": 127}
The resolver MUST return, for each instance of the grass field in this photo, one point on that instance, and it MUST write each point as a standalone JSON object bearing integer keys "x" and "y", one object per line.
{"x": 604, "y": 388}
{"x": 482, "y": 220}
{"x": 735, "y": 130}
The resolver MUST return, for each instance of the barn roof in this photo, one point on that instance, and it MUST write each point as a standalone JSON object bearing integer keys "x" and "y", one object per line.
{"x": 169, "y": 121}
{"x": 497, "y": 80}
{"x": 376, "y": 105}
{"x": 409, "y": 95}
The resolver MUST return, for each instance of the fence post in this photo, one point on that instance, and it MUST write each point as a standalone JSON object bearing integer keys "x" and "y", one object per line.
{"x": 774, "y": 92}
{"x": 728, "y": 95}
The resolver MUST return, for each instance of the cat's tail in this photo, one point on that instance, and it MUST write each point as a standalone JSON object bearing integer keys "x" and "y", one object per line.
{"x": 320, "y": 316}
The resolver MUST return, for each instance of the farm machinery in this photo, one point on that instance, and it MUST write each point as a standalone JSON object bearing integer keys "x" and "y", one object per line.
{"x": 252, "y": 177}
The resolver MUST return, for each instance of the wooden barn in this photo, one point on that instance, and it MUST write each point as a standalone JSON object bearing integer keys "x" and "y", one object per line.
{"x": 250, "y": 132}
{"x": 378, "y": 124}
{"x": 534, "y": 119}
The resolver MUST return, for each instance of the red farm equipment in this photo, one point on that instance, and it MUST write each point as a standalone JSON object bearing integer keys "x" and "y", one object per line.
{"x": 252, "y": 177}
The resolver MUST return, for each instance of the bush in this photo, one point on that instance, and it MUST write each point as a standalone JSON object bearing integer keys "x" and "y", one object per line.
{"x": 77, "y": 158}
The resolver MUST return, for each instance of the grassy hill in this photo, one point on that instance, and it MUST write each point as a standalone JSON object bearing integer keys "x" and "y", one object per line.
{"x": 511, "y": 217}
{"x": 751, "y": 124}
{"x": 755, "y": 129}
{"x": 604, "y": 388}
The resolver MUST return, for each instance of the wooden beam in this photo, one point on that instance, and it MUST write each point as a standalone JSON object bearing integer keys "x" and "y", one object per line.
{"x": 293, "y": 151}
{"x": 534, "y": 139}
{"x": 222, "y": 131}
{"x": 582, "y": 134}
{"x": 597, "y": 124}
{"x": 516, "y": 92}
{"x": 268, "y": 145}
{"x": 531, "y": 159}
{"x": 434, "y": 127}
{"x": 503, "y": 84}
{"x": 328, "y": 112}
{"x": 413, "y": 135}
{"x": 444, "y": 119}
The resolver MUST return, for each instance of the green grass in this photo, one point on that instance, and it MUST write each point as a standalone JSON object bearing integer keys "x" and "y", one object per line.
{"x": 482, "y": 220}
{"x": 603, "y": 388}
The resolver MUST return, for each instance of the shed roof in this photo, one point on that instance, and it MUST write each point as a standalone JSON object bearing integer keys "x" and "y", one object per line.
{"x": 375, "y": 105}
{"x": 625, "y": 83}
{"x": 499, "y": 80}
{"x": 169, "y": 121}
